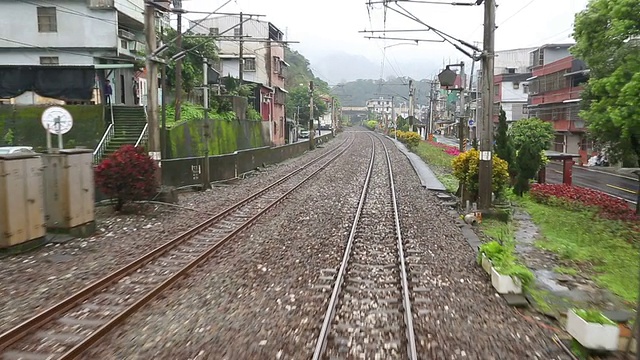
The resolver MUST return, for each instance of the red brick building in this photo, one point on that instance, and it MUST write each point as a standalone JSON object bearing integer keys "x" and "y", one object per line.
{"x": 554, "y": 95}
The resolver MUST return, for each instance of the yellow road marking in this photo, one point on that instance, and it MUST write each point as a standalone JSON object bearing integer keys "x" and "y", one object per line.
{"x": 621, "y": 189}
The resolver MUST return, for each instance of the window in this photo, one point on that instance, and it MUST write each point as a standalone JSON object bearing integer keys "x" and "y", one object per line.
{"x": 47, "y": 21}
{"x": 249, "y": 65}
{"x": 214, "y": 31}
{"x": 236, "y": 31}
{"x": 277, "y": 65}
{"x": 49, "y": 60}
{"x": 525, "y": 88}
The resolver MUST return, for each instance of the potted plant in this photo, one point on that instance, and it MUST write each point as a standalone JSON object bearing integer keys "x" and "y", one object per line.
{"x": 592, "y": 329}
{"x": 509, "y": 277}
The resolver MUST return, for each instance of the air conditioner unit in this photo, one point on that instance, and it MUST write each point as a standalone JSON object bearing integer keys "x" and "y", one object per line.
{"x": 126, "y": 35}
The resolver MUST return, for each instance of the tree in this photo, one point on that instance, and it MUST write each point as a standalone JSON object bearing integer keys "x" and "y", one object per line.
{"x": 530, "y": 138}
{"x": 197, "y": 49}
{"x": 606, "y": 34}
{"x": 504, "y": 146}
{"x": 298, "y": 98}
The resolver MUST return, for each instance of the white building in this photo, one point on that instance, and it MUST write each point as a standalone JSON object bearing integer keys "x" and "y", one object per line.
{"x": 379, "y": 106}
{"x": 68, "y": 33}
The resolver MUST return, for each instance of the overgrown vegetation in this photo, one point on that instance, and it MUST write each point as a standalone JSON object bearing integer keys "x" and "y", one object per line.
{"x": 501, "y": 251}
{"x": 371, "y": 124}
{"x": 531, "y": 137}
{"x": 410, "y": 138}
{"x": 593, "y": 316}
{"x": 127, "y": 175}
{"x": 193, "y": 112}
{"x": 581, "y": 237}
{"x": 440, "y": 162}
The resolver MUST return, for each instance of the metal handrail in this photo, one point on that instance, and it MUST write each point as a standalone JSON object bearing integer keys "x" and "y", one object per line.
{"x": 108, "y": 134}
{"x": 142, "y": 135}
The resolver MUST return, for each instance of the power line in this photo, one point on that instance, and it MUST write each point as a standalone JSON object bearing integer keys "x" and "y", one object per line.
{"x": 59, "y": 50}
{"x": 516, "y": 13}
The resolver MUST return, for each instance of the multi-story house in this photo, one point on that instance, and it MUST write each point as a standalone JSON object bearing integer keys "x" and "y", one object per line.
{"x": 512, "y": 94}
{"x": 379, "y": 106}
{"x": 554, "y": 95}
{"x": 262, "y": 63}
{"x": 72, "y": 45}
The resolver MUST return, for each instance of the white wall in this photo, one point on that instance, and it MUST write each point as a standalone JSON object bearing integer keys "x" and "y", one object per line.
{"x": 32, "y": 56}
{"x": 78, "y": 27}
{"x": 514, "y": 58}
{"x": 230, "y": 67}
{"x": 509, "y": 94}
{"x": 132, "y": 8}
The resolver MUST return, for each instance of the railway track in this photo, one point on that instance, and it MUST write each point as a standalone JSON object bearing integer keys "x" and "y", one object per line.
{"x": 369, "y": 313}
{"x": 67, "y": 329}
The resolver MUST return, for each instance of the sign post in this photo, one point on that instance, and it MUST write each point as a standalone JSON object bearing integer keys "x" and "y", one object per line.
{"x": 56, "y": 120}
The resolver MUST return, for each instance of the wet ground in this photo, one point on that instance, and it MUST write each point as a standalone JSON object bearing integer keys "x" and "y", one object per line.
{"x": 559, "y": 291}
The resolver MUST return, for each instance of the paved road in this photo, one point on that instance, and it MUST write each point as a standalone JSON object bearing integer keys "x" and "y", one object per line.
{"x": 449, "y": 141}
{"x": 625, "y": 187}
{"x": 322, "y": 132}
{"x": 621, "y": 186}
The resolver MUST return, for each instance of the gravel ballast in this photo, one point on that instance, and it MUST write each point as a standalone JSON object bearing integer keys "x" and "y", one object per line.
{"x": 257, "y": 298}
{"x": 36, "y": 280}
{"x": 459, "y": 315}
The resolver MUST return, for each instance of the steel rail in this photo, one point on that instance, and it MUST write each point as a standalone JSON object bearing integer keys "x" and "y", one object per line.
{"x": 38, "y": 321}
{"x": 406, "y": 300}
{"x": 333, "y": 302}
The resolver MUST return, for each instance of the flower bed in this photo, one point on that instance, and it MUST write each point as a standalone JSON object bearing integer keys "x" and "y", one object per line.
{"x": 608, "y": 206}
{"x": 451, "y": 150}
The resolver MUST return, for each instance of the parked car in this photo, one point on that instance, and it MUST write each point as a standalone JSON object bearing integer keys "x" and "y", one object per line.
{"x": 6, "y": 150}
{"x": 304, "y": 134}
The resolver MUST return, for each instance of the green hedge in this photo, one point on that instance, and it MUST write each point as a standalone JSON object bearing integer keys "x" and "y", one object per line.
{"x": 23, "y": 121}
{"x": 186, "y": 139}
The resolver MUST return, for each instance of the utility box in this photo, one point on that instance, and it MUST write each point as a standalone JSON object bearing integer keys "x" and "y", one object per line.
{"x": 70, "y": 192}
{"x": 22, "y": 215}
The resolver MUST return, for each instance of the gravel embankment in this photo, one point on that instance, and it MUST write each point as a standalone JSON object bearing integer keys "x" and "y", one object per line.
{"x": 461, "y": 317}
{"x": 368, "y": 323}
{"x": 31, "y": 282}
{"x": 257, "y": 298}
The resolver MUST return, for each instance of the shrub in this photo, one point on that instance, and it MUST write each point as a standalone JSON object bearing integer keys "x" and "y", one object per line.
{"x": 465, "y": 169}
{"x": 127, "y": 175}
{"x": 371, "y": 124}
{"x": 576, "y": 197}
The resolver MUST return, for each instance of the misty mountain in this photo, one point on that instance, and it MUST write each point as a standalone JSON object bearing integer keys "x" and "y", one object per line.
{"x": 340, "y": 67}
{"x": 356, "y": 93}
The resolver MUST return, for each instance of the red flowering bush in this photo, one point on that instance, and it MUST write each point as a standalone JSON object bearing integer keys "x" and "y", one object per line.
{"x": 451, "y": 150}
{"x": 129, "y": 174}
{"x": 576, "y": 197}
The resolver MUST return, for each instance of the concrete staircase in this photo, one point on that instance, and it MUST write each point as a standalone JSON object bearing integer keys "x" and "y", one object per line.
{"x": 129, "y": 122}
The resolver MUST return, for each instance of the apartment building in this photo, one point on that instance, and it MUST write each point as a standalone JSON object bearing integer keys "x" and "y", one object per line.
{"x": 554, "y": 95}
{"x": 261, "y": 59}
{"x": 70, "y": 47}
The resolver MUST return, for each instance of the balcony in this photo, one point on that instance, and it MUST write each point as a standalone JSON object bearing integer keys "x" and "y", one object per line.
{"x": 101, "y": 4}
{"x": 128, "y": 47}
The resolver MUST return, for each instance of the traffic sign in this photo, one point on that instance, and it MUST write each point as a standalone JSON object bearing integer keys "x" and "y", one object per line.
{"x": 471, "y": 123}
{"x": 57, "y": 120}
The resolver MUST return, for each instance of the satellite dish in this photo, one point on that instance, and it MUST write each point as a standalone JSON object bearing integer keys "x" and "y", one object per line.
{"x": 57, "y": 120}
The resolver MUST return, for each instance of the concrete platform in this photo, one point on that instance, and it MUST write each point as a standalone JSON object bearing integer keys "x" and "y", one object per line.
{"x": 427, "y": 177}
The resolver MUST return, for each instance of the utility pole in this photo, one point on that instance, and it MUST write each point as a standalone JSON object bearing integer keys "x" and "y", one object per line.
{"x": 206, "y": 182}
{"x": 177, "y": 5}
{"x": 411, "y": 106}
{"x": 312, "y": 144}
{"x": 432, "y": 100}
{"x": 241, "y": 51}
{"x": 473, "y": 65}
{"x": 152, "y": 82}
{"x": 163, "y": 142}
{"x": 486, "y": 142}
{"x": 462, "y": 118}
{"x": 333, "y": 115}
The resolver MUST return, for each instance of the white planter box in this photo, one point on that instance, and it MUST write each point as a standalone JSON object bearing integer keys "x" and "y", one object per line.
{"x": 592, "y": 335}
{"x": 486, "y": 264}
{"x": 505, "y": 284}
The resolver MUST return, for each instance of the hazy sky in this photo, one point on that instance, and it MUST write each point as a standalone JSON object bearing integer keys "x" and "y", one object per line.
{"x": 329, "y": 26}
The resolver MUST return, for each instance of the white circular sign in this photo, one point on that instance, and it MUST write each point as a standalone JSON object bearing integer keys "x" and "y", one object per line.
{"x": 57, "y": 120}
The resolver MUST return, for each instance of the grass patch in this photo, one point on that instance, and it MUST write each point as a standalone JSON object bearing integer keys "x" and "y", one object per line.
{"x": 497, "y": 230}
{"x": 440, "y": 163}
{"x": 565, "y": 270}
{"x": 580, "y": 237}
